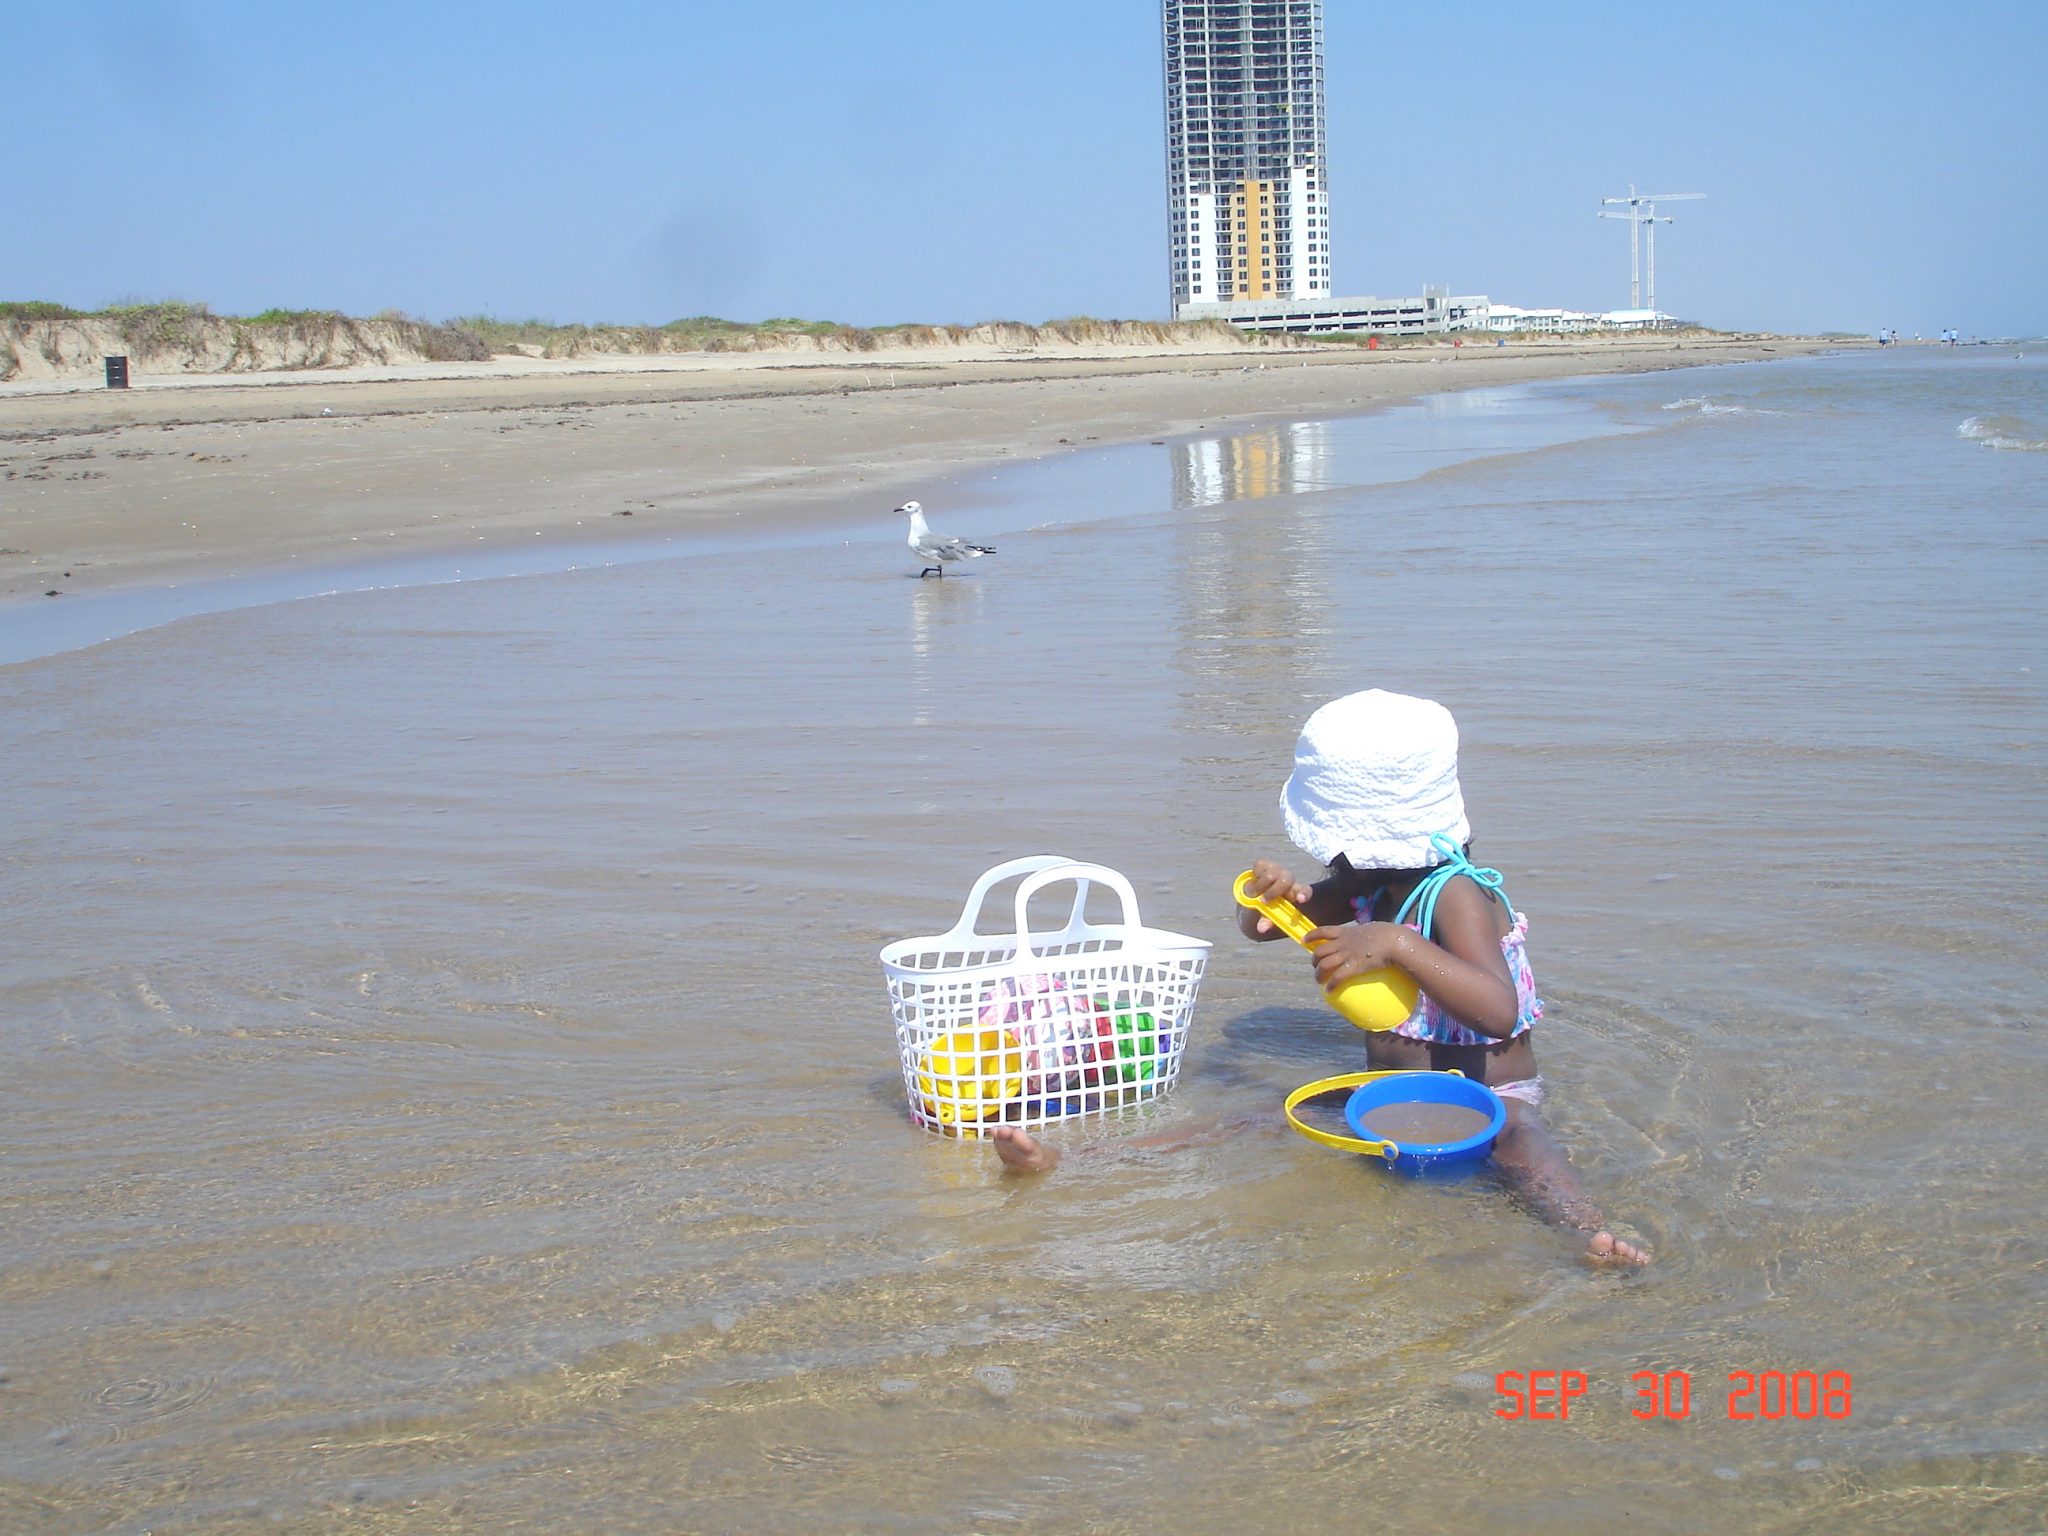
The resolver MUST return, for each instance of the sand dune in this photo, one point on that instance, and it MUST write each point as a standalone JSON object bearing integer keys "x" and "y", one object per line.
{"x": 169, "y": 343}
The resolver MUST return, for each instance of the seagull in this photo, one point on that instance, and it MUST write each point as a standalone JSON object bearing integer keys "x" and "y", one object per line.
{"x": 936, "y": 548}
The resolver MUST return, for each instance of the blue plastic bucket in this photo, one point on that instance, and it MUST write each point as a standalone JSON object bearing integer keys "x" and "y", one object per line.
{"x": 1430, "y": 1159}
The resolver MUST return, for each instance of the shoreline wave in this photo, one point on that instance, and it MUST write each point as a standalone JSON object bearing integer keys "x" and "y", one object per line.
{"x": 2009, "y": 433}
{"x": 1702, "y": 406}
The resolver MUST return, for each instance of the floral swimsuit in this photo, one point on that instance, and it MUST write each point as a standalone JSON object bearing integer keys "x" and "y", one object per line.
{"x": 1429, "y": 1022}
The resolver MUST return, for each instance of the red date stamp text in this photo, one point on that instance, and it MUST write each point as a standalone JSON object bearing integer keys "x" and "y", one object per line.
{"x": 1751, "y": 1395}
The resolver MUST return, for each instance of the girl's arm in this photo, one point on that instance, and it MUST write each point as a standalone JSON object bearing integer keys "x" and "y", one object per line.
{"x": 1463, "y": 972}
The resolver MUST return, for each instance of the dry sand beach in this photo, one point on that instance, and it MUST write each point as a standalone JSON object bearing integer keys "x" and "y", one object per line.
{"x": 196, "y": 476}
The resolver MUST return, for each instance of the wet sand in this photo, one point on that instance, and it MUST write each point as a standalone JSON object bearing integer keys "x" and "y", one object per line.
{"x": 179, "y": 481}
{"x": 451, "y": 1085}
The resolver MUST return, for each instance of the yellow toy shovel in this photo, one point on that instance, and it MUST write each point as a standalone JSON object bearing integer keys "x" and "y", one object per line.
{"x": 1377, "y": 1000}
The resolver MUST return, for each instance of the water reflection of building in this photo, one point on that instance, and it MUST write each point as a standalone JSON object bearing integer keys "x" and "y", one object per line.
{"x": 1279, "y": 461}
{"x": 1256, "y": 573}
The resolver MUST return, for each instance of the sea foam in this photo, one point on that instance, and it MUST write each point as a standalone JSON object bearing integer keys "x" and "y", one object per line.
{"x": 2003, "y": 432}
{"x": 1705, "y": 407}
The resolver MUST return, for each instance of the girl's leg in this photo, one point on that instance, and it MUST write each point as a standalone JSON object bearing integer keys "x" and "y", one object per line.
{"x": 1529, "y": 1156}
{"x": 1022, "y": 1152}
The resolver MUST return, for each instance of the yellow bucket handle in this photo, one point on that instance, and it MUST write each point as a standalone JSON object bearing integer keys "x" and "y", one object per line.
{"x": 1277, "y": 910}
{"x": 1323, "y": 1085}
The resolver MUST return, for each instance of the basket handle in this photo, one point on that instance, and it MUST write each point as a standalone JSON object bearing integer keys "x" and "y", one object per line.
{"x": 1030, "y": 864}
{"x": 1077, "y": 921}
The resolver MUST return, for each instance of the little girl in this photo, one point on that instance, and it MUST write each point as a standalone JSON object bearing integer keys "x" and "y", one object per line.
{"x": 1374, "y": 797}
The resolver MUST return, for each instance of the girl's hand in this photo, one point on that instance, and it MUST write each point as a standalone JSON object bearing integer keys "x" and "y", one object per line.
{"x": 1270, "y": 880}
{"x": 1344, "y": 950}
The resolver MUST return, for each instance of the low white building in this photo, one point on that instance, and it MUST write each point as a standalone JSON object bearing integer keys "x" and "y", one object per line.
{"x": 1633, "y": 320}
{"x": 1512, "y": 317}
{"x": 1507, "y": 319}
{"x": 1434, "y": 311}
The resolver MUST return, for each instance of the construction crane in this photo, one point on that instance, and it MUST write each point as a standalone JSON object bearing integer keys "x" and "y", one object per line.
{"x": 1641, "y": 213}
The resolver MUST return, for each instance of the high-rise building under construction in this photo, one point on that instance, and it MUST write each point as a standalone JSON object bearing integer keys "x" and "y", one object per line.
{"x": 1248, "y": 199}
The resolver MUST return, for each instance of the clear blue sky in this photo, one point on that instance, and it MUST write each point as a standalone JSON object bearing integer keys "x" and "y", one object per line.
{"x": 961, "y": 160}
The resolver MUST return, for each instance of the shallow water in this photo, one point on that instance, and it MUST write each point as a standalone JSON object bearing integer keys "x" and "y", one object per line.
{"x": 450, "y": 1085}
{"x": 1424, "y": 1125}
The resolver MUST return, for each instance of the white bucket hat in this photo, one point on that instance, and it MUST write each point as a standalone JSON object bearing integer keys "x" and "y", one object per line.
{"x": 1375, "y": 777}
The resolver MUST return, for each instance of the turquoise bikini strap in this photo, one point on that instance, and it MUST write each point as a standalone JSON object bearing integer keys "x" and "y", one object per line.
{"x": 1455, "y": 863}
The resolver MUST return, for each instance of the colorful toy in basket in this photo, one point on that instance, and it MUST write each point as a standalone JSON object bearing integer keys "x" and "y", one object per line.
{"x": 1029, "y": 1026}
{"x": 1381, "y": 999}
{"x": 1071, "y": 1039}
{"x": 1423, "y": 1124}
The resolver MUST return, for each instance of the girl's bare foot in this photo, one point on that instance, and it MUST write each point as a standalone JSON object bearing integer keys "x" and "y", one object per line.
{"x": 1535, "y": 1165}
{"x": 1023, "y": 1152}
{"x": 1606, "y": 1248}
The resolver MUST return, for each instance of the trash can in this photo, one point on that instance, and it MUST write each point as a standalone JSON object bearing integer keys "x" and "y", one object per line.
{"x": 117, "y": 373}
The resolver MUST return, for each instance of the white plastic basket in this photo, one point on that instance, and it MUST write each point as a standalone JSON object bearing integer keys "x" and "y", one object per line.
{"x": 1024, "y": 1028}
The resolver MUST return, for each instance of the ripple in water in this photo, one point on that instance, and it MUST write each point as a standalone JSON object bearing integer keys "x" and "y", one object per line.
{"x": 136, "y": 1408}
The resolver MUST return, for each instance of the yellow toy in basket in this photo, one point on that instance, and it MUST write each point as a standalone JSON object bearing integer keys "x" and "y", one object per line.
{"x": 1377, "y": 1000}
{"x": 970, "y": 1074}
